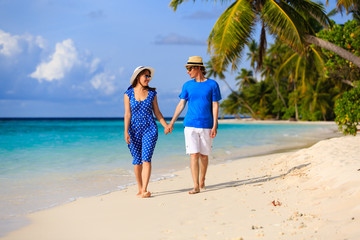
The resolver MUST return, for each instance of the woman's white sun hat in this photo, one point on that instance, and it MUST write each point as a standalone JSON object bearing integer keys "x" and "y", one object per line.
{"x": 138, "y": 70}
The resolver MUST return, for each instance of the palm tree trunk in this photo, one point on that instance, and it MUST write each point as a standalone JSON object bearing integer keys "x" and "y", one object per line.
{"x": 334, "y": 48}
{"x": 276, "y": 84}
{"x": 296, "y": 107}
{"x": 240, "y": 99}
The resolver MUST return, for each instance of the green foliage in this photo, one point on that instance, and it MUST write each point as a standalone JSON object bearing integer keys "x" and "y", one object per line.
{"x": 347, "y": 110}
{"x": 347, "y": 37}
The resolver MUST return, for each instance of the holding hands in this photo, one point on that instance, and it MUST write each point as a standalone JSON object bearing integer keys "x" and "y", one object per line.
{"x": 168, "y": 129}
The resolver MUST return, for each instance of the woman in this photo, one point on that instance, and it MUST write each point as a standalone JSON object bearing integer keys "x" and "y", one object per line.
{"x": 141, "y": 131}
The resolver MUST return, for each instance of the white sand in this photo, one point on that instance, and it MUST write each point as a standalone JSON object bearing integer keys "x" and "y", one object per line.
{"x": 318, "y": 190}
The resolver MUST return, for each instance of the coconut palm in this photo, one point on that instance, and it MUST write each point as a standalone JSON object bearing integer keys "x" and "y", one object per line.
{"x": 245, "y": 78}
{"x": 288, "y": 19}
{"x": 260, "y": 96}
{"x": 274, "y": 58}
{"x": 231, "y": 105}
{"x": 212, "y": 73}
{"x": 253, "y": 55}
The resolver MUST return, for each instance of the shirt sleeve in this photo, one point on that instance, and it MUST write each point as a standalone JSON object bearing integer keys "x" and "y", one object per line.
{"x": 128, "y": 93}
{"x": 216, "y": 93}
{"x": 184, "y": 93}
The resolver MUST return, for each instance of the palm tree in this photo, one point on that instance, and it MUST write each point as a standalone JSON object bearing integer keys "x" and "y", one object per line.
{"x": 245, "y": 78}
{"x": 231, "y": 105}
{"x": 253, "y": 55}
{"x": 273, "y": 59}
{"x": 212, "y": 72}
{"x": 287, "y": 19}
{"x": 259, "y": 94}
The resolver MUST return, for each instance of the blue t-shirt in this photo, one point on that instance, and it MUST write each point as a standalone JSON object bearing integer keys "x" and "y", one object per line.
{"x": 200, "y": 96}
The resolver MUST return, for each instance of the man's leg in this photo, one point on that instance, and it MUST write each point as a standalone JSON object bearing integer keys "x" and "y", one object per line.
{"x": 195, "y": 172}
{"x": 204, "y": 161}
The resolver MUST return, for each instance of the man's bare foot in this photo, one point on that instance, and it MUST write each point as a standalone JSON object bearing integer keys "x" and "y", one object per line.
{"x": 194, "y": 191}
{"x": 146, "y": 195}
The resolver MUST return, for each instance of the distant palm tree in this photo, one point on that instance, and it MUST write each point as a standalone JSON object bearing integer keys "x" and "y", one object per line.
{"x": 232, "y": 106}
{"x": 253, "y": 55}
{"x": 245, "y": 78}
{"x": 287, "y": 19}
{"x": 212, "y": 73}
{"x": 260, "y": 95}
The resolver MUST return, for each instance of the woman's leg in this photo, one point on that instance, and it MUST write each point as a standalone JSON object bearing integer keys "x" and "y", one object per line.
{"x": 138, "y": 171}
{"x": 204, "y": 160}
{"x": 146, "y": 172}
{"x": 195, "y": 172}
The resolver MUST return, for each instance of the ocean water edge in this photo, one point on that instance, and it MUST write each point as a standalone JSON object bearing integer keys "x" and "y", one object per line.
{"x": 48, "y": 162}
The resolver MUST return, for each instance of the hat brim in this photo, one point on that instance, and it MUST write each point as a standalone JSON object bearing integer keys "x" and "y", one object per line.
{"x": 194, "y": 65}
{"x": 136, "y": 73}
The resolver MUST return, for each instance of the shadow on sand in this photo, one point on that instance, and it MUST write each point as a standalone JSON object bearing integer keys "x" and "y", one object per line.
{"x": 237, "y": 183}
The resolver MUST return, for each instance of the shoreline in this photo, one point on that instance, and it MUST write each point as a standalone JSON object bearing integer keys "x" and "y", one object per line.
{"x": 251, "y": 120}
{"x": 237, "y": 203}
{"x": 13, "y": 222}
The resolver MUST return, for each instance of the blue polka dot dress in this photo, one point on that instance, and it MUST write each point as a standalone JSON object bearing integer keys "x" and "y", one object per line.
{"x": 143, "y": 129}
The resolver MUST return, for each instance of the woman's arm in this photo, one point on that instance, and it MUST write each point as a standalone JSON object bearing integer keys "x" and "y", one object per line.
{"x": 158, "y": 114}
{"x": 127, "y": 118}
{"x": 215, "y": 111}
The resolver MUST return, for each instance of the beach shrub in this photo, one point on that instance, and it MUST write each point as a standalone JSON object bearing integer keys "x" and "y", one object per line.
{"x": 347, "y": 110}
{"x": 347, "y": 37}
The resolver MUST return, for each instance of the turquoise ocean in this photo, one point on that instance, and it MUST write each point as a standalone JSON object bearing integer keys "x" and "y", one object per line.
{"x": 48, "y": 162}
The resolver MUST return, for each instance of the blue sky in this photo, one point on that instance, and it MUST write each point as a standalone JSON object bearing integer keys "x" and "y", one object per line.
{"x": 75, "y": 58}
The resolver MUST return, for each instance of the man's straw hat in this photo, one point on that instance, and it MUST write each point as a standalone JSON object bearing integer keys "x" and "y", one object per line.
{"x": 195, "y": 61}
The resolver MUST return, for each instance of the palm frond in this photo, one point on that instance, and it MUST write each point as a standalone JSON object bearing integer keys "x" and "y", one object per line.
{"x": 230, "y": 33}
{"x": 316, "y": 10}
{"x": 212, "y": 72}
{"x": 319, "y": 60}
{"x": 286, "y": 63}
{"x": 286, "y": 23}
{"x": 174, "y": 4}
{"x": 333, "y": 12}
{"x": 348, "y": 5}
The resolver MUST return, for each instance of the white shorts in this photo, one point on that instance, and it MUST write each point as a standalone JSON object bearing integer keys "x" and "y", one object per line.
{"x": 198, "y": 140}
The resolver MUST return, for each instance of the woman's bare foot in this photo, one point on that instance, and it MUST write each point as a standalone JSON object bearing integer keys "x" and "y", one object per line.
{"x": 146, "y": 195}
{"x": 202, "y": 185}
{"x": 194, "y": 191}
{"x": 138, "y": 194}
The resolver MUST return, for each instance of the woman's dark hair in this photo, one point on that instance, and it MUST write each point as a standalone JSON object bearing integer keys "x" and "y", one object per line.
{"x": 137, "y": 79}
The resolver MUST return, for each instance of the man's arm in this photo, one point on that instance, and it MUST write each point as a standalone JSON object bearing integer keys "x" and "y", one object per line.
{"x": 179, "y": 108}
{"x": 215, "y": 111}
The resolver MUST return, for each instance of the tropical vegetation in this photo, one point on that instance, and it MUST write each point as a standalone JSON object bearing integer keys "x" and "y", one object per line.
{"x": 348, "y": 111}
{"x": 311, "y": 64}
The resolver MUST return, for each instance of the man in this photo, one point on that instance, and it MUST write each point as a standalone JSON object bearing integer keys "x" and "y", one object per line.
{"x": 200, "y": 122}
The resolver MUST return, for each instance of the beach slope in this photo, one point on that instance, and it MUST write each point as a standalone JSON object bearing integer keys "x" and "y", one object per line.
{"x": 312, "y": 193}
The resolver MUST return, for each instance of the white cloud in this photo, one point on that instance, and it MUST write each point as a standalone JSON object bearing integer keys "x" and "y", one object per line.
{"x": 61, "y": 62}
{"x": 11, "y": 45}
{"x": 104, "y": 82}
{"x": 94, "y": 65}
